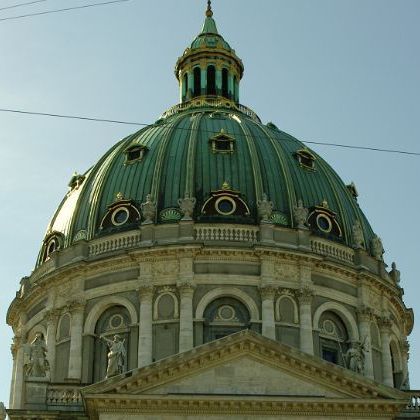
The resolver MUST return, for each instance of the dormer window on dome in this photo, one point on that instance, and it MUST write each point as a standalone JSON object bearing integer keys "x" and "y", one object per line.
{"x": 323, "y": 221}
{"x": 135, "y": 153}
{"x": 306, "y": 159}
{"x": 225, "y": 203}
{"x": 122, "y": 213}
{"x": 222, "y": 143}
{"x": 52, "y": 243}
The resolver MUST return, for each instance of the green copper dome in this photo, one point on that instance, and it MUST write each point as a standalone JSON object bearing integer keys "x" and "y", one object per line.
{"x": 215, "y": 156}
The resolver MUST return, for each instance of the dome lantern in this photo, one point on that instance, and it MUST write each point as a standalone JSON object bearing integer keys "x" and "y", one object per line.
{"x": 209, "y": 66}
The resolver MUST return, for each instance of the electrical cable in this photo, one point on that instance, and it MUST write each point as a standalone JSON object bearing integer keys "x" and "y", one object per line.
{"x": 78, "y": 117}
{"x": 22, "y": 4}
{"x": 64, "y": 10}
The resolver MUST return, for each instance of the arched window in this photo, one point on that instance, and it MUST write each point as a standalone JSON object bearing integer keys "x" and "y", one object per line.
{"x": 211, "y": 80}
{"x": 224, "y": 316}
{"x": 197, "y": 81}
{"x": 397, "y": 371}
{"x": 185, "y": 84}
{"x": 114, "y": 321}
{"x": 225, "y": 88}
{"x": 333, "y": 338}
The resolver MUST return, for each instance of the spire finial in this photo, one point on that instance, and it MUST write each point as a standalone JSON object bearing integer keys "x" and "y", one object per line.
{"x": 209, "y": 12}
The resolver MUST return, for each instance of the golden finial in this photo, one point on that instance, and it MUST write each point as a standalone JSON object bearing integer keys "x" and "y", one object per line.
{"x": 120, "y": 196}
{"x": 226, "y": 186}
{"x": 209, "y": 12}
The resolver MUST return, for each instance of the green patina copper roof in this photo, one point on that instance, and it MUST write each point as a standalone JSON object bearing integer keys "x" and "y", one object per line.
{"x": 179, "y": 161}
{"x": 209, "y": 36}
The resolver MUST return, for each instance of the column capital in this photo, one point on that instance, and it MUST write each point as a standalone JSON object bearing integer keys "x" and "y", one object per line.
{"x": 17, "y": 343}
{"x": 76, "y": 306}
{"x": 51, "y": 316}
{"x": 305, "y": 295}
{"x": 145, "y": 291}
{"x": 385, "y": 324}
{"x": 364, "y": 313}
{"x": 268, "y": 292}
{"x": 186, "y": 287}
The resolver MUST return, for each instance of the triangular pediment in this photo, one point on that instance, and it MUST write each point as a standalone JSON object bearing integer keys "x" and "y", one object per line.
{"x": 244, "y": 363}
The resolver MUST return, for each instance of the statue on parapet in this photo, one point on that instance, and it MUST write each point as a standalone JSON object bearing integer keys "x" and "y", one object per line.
{"x": 35, "y": 359}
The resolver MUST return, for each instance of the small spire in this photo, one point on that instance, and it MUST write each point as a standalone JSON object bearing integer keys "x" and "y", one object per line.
{"x": 209, "y": 12}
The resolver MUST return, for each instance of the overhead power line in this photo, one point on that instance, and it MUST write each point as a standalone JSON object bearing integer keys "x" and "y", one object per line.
{"x": 78, "y": 117}
{"x": 22, "y": 4}
{"x": 63, "y": 10}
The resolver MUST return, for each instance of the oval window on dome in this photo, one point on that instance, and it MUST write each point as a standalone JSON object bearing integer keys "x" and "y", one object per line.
{"x": 120, "y": 216}
{"x": 324, "y": 223}
{"x": 225, "y": 205}
{"x": 305, "y": 158}
{"x": 52, "y": 244}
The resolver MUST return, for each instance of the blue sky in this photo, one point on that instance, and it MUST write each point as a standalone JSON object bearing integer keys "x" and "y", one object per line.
{"x": 339, "y": 71}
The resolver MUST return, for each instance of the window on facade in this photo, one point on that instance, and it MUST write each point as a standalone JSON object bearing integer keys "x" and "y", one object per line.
{"x": 186, "y": 84}
{"x": 211, "y": 80}
{"x": 235, "y": 88}
{"x": 224, "y": 316}
{"x": 197, "y": 81}
{"x": 334, "y": 338}
{"x": 225, "y": 88}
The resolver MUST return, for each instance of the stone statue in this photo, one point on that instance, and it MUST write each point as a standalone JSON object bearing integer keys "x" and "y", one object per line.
{"x": 187, "y": 205}
{"x": 148, "y": 210}
{"x": 377, "y": 247}
{"x": 355, "y": 358}
{"x": 36, "y": 363}
{"x": 358, "y": 238}
{"x": 300, "y": 214}
{"x": 395, "y": 274}
{"x": 265, "y": 208}
{"x": 116, "y": 355}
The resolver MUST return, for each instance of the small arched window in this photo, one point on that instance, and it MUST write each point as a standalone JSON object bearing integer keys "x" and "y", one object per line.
{"x": 224, "y": 316}
{"x": 333, "y": 338}
{"x": 185, "y": 83}
{"x": 225, "y": 89}
{"x": 211, "y": 80}
{"x": 197, "y": 81}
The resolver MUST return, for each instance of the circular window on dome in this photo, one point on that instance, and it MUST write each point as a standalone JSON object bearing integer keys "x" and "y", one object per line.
{"x": 225, "y": 206}
{"x": 120, "y": 216}
{"x": 324, "y": 223}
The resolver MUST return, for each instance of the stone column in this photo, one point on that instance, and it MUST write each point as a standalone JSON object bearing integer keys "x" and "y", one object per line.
{"x": 364, "y": 316}
{"x": 16, "y": 390}
{"x": 186, "y": 326}
{"x": 77, "y": 310}
{"x": 305, "y": 296}
{"x": 385, "y": 329}
{"x": 52, "y": 318}
{"x": 268, "y": 321}
{"x": 145, "y": 350}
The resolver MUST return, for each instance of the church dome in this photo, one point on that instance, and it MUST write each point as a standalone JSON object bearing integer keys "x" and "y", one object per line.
{"x": 201, "y": 225}
{"x": 214, "y": 154}
{"x": 205, "y": 149}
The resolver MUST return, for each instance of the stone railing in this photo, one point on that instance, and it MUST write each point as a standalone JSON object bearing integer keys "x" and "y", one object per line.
{"x": 330, "y": 249}
{"x": 208, "y": 101}
{"x": 226, "y": 233}
{"x": 64, "y": 395}
{"x": 114, "y": 243}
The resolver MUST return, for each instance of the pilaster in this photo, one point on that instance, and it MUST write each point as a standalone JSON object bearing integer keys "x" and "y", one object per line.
{"x": 52, "y": 320}
{"x": 145, "y": 348}
{"x": 305, "y": 296}
{"x": 268, "y": 321}
{"x": 364, "y": 316}
{"x": 77, "y": 309}
{"x": 385, "y": 330}
{"x": 186, "y": 327}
